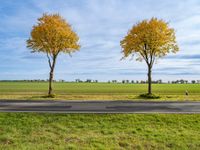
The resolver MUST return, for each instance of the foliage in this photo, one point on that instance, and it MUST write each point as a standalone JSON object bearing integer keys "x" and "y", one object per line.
{"x": 53, "y": 35}
{"x": 150, "y": 40}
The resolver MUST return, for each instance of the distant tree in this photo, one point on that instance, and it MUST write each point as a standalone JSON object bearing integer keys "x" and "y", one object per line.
{"x": 159, "y": 81}
{"x": 182, "y": 81}
{"x": 193, "y": 81}
{"x": 149, "y": 40}
{"x": 61, "y": 80}
{"x": 77, "y": 80}
{"x": 114, "y": 81}
{"x": 53, "y": 35}
{"x": 88, "y": 81}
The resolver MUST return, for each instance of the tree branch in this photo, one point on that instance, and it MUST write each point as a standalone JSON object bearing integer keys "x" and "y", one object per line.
{"x": 152, "y": 58}
{"x": 146, "y": 55}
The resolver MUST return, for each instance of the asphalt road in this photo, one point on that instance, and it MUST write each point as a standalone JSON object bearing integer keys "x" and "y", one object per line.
{"x": 98, "y": 106}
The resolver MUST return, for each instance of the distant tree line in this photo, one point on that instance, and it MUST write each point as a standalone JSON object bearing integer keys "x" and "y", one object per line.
{"x": 181, "y": 81}
{"x": 35, "y": 80}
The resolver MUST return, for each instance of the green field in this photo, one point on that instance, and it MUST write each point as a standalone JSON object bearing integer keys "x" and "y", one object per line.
{"x": 102, "y": 131}
{"x": 106, "y": 131}
{"x": 96, "y": 91}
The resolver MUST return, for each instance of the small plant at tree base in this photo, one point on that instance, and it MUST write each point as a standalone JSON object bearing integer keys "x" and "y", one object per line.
{"x": 149, "y": 96}
{"x": 52, "y": 96}
{"x": 149, "y": 40}
{"x": 52, "y": 36}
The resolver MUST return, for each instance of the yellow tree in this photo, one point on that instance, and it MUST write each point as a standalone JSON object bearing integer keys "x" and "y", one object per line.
{"x": 149, "y": 40}
{"x": 52, "y": 35}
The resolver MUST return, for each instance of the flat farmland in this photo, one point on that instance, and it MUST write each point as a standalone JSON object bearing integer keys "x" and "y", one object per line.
{"x": 96, "y": 91}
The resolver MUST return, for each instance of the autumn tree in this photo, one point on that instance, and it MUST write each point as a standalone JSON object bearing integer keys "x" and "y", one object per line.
{"x": 52, "y": 35}
{"x": 149, "y": 40}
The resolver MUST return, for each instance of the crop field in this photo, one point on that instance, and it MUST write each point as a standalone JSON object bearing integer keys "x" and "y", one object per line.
{"x": 96, "y": 91}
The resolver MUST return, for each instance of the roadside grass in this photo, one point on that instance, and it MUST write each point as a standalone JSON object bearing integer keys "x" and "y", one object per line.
{"x": 99, "y": 97}
{"x": 97, "y": 91}
{"x": 102, "y": 131}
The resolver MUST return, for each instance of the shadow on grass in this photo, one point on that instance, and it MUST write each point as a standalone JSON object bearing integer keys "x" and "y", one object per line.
{"x": 41, "y": 97}
{"x": 49, "y": 96}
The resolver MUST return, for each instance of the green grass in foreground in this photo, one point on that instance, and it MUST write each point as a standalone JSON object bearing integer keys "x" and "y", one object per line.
{"x": 96, "y": 91}
{"x": 106, "y": 131}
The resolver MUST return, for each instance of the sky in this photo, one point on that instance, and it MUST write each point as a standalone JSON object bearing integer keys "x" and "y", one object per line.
{"x": 101, "y": 25}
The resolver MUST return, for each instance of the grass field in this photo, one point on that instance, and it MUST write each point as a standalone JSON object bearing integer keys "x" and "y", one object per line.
{"x": 90, "y": 131}
{"x": 96, "y": 91}
{"x": 103, "y": 131}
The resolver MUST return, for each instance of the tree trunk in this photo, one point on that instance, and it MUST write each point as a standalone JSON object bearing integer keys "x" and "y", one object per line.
{"x": 149, "y": 80}
{"x": 50, "y": 93}
{"x": 50, "y": 82}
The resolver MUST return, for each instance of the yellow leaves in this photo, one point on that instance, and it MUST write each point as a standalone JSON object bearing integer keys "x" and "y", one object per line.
{"x": 150, "y": 39}
{"x": 52, "y": 35}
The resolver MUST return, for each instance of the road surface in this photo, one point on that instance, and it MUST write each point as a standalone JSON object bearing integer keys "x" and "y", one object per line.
{"x": 98, "y": 106}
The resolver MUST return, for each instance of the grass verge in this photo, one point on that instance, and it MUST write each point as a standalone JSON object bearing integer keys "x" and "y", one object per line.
{"x": 106, "y": 131}
{"x": 131, "y": 97}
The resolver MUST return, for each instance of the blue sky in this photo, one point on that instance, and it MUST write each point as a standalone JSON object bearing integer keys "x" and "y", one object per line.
{"x": 101, "y": 24}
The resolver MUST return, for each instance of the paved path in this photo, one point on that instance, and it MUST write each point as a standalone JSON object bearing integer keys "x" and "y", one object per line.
{"x": 98, "y": 106}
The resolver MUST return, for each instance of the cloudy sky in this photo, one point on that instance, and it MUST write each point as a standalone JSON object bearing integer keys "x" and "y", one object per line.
{"x": 101, "y": 24}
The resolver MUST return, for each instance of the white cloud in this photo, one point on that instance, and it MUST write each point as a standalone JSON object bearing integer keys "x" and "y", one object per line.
{"x": 101, "y": 25}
